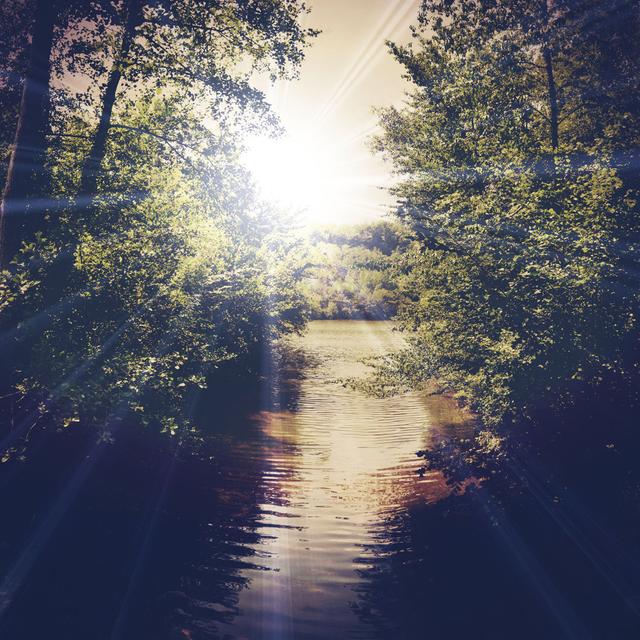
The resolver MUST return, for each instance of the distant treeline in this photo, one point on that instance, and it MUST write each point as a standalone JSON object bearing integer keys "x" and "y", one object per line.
{"x": 352, "y": 271}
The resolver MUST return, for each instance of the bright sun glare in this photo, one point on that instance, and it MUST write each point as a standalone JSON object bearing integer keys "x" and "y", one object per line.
{"x": 296, "y": 173}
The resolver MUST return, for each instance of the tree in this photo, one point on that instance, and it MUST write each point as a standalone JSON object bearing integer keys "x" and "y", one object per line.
{"x": 351, "y": 271}
{"x": 164, "y": 288}
{"x": 523, "y": 291}
{"x": 126, "y": 312}
{"x": 25, "y": 177}
{"x": 36, "y": 31}
{"x": 207, "y": 47}
{"x": 582, "y": 54}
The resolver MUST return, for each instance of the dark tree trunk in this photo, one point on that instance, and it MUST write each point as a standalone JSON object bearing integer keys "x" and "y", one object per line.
{"x": 26, "y": 174}
{"x": 552, "y": 89}
{"x": 91, "y": 166}
{"x": 59, "y": 273}
{"x": 549, "y": 159}
{"x": 553, "y": 97}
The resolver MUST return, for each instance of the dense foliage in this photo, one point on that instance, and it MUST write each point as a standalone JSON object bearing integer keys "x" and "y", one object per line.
{"x": 516, "y": 153}
{"x": 147, "y": 262}
{"x": 351, "y": 271}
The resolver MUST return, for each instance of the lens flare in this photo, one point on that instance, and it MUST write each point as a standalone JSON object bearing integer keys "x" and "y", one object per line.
{"x": 298, "y": 173}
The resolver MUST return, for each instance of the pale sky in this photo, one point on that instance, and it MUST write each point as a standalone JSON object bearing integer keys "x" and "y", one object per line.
{"x": 324, "y": 164}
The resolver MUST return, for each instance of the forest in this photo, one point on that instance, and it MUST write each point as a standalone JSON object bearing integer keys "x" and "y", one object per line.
{"x": 350, "y": 272}
{"x": 514, "y": 270}
{"x": 146, "y": 285}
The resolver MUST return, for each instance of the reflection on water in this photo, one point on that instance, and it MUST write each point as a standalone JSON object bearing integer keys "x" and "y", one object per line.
{"x": 268, "y": 530}
{"x": 334, "y": 469}
{"x": 301, "y": 515}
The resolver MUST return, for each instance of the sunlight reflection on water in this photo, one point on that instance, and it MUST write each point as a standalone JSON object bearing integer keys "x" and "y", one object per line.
{"x": 334, "y": 469}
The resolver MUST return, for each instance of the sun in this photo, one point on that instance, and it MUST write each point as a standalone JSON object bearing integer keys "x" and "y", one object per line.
{"x": 295, "y": 172}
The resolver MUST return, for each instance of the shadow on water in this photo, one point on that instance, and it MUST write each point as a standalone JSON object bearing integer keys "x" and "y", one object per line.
{"x": 271, "y": 382}
{"x": 252, "y": 531}
{"x": 302, "y": 512}
{"x": 156, "y": 541}
{"x": 560, "y": 558}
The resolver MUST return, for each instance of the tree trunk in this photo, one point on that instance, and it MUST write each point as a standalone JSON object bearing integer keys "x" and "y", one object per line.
{"x": 552, "y": 89}
{"x": 553, "y": 97}
{"x": 60, "y": 271}
{"x": 91, "y": 166}
{"x": 26, "y": 175}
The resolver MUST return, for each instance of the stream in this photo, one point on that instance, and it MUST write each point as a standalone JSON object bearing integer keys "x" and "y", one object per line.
{"x": 300, "y": 512}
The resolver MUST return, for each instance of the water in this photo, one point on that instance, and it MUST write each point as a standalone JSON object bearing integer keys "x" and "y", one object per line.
{"x": 265, "y": 530}
{"x": 337, "y": 466}
{"x": 301, "y": 514}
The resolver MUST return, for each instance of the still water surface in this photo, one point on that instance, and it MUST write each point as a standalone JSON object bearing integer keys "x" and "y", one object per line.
{"x": 290, "y": 520}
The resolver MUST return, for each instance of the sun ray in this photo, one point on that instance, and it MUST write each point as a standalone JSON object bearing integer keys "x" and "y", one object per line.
{"x": 369, "y": 52}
